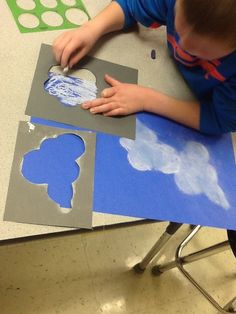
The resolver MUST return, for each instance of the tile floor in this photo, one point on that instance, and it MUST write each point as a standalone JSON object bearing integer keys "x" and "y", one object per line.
{"x": 90, "y": 273}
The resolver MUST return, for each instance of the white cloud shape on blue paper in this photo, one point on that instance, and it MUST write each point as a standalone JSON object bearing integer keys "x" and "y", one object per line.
{"x": 193, "y": 173}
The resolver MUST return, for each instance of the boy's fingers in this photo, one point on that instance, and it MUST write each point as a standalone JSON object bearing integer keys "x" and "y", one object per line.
{"x": 59, "y": 46}
{"x": 103, "y": 108}
{"x": 70, "y": 48}
{"x": 66, "y": 55}
{"x": 108, "y": 92}
{"x": 94, "y": 103}
{"x": 114, "y": 112}
{"x": 76, "y": 57}
{"x": 59, "y": 39}
{"x": 110, "y": 80}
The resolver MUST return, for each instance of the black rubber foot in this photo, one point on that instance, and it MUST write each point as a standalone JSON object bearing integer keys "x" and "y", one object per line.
{"x": 156, "y": 271}
{"x": 138, "y": 270}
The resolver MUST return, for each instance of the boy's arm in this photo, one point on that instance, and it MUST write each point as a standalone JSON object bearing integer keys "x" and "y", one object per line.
{"x": 183, "y": 112}
{"x": 146, "y": 12}
{"x": 124, "y": 13}
{"x": 111, "y": 19}
{"x": 72, "y": 46}
{"x": 215, "y": 116}
{"x": 124, "y": 99}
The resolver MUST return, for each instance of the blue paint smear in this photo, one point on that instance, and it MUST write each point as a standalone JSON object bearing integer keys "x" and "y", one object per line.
{"x": 54, "y": 164}
{"x": 120, "y": 189}
{"x": 70, "y": 91}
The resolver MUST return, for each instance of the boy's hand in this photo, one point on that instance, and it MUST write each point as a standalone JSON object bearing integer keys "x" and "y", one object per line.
{"x": 73, "y": 45}
{"x": 120, "y": 99}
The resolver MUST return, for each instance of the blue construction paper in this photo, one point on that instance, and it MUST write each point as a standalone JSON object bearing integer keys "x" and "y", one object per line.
{"x": 54, "y": 163}
{"x": 121, "y": 189}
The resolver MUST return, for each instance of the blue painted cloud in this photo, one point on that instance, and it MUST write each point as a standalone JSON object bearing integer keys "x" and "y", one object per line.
{"x": 69, "y": 90}
{"x": 42, "y": 167}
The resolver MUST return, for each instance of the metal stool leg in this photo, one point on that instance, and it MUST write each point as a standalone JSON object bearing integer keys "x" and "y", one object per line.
{"x": 171, "y": 229}
{"x": 180, "y": 261}
{"x": 231, "y": 306}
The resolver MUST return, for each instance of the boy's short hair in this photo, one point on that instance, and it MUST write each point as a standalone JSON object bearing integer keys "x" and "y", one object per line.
{"x": 216, "y": 18}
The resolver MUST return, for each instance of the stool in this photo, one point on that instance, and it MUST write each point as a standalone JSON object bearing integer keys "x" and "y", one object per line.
{"x": 180, "y": 260}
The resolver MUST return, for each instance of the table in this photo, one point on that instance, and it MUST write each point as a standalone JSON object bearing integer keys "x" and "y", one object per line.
{"x": 19, "y": 54}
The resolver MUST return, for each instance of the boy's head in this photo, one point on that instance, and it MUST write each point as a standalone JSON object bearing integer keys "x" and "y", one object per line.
{"x": 207, "y": 28}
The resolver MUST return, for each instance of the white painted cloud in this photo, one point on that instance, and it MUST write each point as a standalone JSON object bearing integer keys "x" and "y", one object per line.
{"x": 193, "y": 173}
{"x": 196, "y": 175}
{"x": 148, "y": 153}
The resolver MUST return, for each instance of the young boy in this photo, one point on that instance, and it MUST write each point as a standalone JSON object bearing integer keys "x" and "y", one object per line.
{"x": 202, "y": 41}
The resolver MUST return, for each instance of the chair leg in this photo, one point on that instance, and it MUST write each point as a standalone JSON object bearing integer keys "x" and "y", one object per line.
{"x": 171, "y": 229}
{"x": 180, "y": 261}
{"x": 231, "y": 306}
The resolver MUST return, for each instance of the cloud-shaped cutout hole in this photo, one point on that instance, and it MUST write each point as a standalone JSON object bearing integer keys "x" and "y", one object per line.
{"x": 54, "y": 164}
{"x": 73, "y": 89}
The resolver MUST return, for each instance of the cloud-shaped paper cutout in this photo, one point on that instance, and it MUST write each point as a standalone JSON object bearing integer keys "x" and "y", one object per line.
{"x": 70, "y": 91}
{"x": 193, "y": 173}
{"x": 50, "y": 165}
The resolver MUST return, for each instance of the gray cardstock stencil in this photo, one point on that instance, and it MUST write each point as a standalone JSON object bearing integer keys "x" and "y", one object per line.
{"x": 30, "y": 203}
{"x": 42, "y": 105}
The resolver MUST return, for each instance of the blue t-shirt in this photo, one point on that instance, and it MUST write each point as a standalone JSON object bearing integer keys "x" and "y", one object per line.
{"x": 213, "y": 82}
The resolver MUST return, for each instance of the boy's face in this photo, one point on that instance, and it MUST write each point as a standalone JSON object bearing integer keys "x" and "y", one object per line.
{"x": 201, "y": 46}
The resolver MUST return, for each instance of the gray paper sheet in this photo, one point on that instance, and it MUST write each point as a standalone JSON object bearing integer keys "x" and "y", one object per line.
{"x": 30, "y": 203}
{"x": 42, "y": 105}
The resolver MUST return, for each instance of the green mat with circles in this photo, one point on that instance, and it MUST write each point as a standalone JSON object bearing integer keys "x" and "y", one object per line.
{"x": 45, "y": 15}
